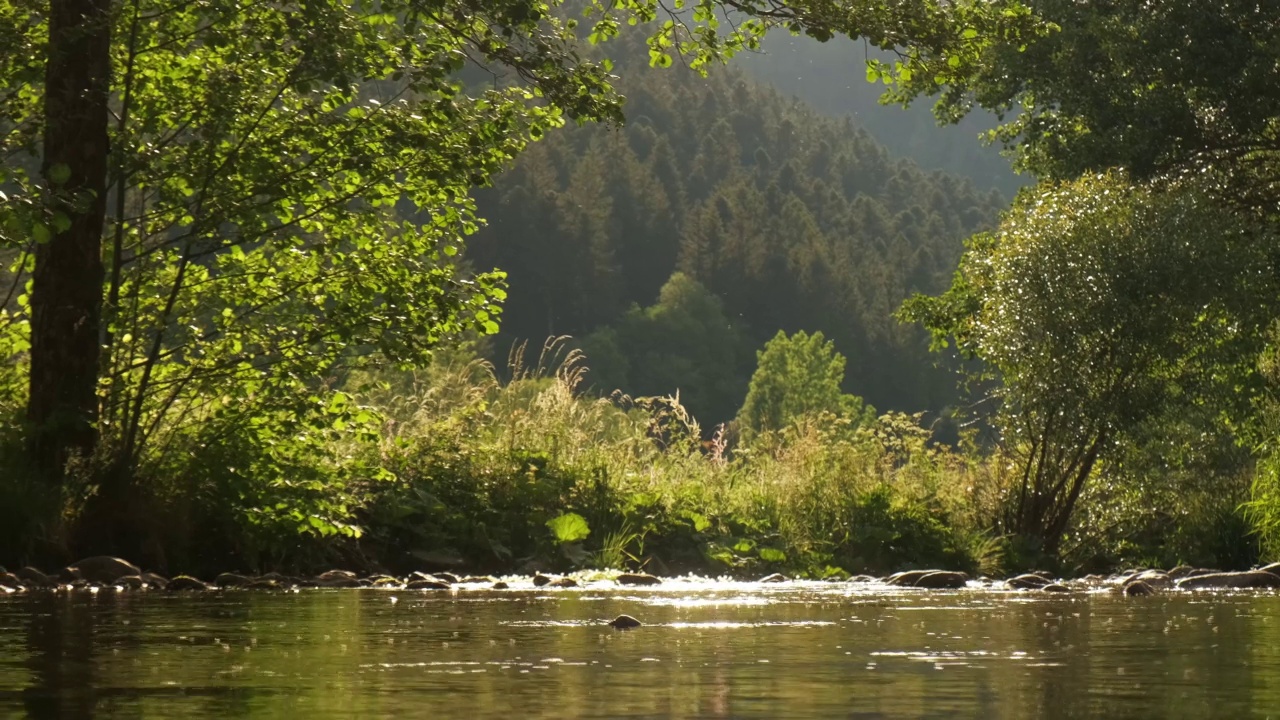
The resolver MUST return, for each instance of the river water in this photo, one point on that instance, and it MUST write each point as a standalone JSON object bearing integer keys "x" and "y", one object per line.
{"x": 706, "y": 650}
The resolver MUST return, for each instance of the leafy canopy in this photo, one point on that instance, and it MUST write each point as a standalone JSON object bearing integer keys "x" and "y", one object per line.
{"x": 1100, "y": 305}
{"x": 796, "y": 376}
{"x": 1152, "y": 87}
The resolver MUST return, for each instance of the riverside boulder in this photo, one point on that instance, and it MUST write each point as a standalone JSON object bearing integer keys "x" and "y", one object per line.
{"x": 1028, "y": 581}
{"x": 227, "y": 579}
{"x": 133, "y": 582}
{"x": 1136, "y": 588}
{"x": 1248, "y": 579}
{"x": 431, "y": 584}
{"x": 929, "y": 579}
{"x": 186, "y": 583}
{"x": 637, "y": 579}
{"x": 103, "y": 569}
{"x": 34, "y": 578}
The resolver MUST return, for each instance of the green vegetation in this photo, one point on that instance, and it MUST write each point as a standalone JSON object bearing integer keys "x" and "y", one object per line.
{"x": 530, "y": 472}
{"x": 795, "y": 377}
{"x": 1098, "y": 306}
{"x": 252, "y": 254}
{"x": 794, "y": 221}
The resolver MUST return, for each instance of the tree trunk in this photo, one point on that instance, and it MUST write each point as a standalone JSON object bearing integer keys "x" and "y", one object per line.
{"x": 66, "y": 295}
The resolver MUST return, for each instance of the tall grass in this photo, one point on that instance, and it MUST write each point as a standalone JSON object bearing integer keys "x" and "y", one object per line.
{"x": 482, "y": 464}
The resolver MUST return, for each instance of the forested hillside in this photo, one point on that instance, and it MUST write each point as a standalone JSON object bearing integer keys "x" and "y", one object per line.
{"x": 832, "y": 78}
{"x": 792, "y": 220}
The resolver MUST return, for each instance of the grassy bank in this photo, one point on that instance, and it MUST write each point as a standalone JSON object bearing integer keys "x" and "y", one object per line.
{"x": 460, "y": 465}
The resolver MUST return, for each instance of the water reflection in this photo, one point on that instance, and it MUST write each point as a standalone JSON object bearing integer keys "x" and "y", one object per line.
{"x": 799, "y": 650}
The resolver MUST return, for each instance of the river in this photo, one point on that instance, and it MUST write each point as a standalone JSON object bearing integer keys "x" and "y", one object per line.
{"x": 706, "y": 650}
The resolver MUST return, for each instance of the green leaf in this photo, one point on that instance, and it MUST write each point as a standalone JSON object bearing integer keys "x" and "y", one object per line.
{"x": 772, "y": 555}
{"x": 569, "y": 527}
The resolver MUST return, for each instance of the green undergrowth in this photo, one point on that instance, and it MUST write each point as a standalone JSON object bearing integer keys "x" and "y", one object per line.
{"x": 458, "y": 465}
{"x": 529, "y": 473}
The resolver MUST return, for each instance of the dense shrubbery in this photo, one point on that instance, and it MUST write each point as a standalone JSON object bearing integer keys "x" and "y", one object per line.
{"x": 530, "y": 472}
{"x": 483, "y": 466}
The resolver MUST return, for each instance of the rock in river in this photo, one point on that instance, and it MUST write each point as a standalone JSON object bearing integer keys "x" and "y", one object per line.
{"x": 227, "y": 579}
{"x": 1136, "y": 588}
{"x": 1028, "y": 581}
{"x": 637, "y": 579}
{"x": 624, "y": 622}
{"x": 186, "y": 583}
{"x": 930, "y": 579}
{"x": 133, "y": 582}
{"x": 775, "y": 578}
{"x": 1273, "y": 568}
{"x": 34, "y": 578}
{"x": 1246, "y": 579}
{"x": 427, "y": 585}
{"x": 104, "y": 569}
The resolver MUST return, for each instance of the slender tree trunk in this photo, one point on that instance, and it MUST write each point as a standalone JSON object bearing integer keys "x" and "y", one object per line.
{"x": 66, "y": 295}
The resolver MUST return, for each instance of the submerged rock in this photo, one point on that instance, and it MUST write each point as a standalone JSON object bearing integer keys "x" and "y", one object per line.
{"x": 427, "y": 585}
{"x": 186, "y": 583}
{"x": 539, "y": 579}
{"x": 339, "y": 582}
{"x": 277, "y": 577}
{"x": 334, "y": 576}
{"x": 1154, "y": 578}
{"x": 1028, "y": 581}
{"x": 1137, "y": 588}
{"x": 862, "y": 579}
{"x": 103, "y": 569}
{"x": 1055, "y": 588}
{"x": 943, "y": 580}
{"x": 1246, "y": 579}
{"x": 34, "y": 578}
{"x": 775, "y": 578}
{"x": 625, "y": 622}
{"x": 499, "y": 585}
{"x": 637, "y": 579}
{"x": 1273, "y": 568}
{"x": 564, "y": 582}
{"x": 227, "y": 579}
{"x": 263, "y": 583}
{"x": 133, "y": 582}
{"x": 929, "y": 579}
{"x": 477, "y": 579}
{"x": 154, "y": 580}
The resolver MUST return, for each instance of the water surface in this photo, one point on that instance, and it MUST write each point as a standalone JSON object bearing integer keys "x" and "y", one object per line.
{"x": 706, "y": 650}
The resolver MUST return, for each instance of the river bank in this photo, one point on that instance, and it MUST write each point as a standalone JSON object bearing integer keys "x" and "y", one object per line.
{"x": 110, "y": 574}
